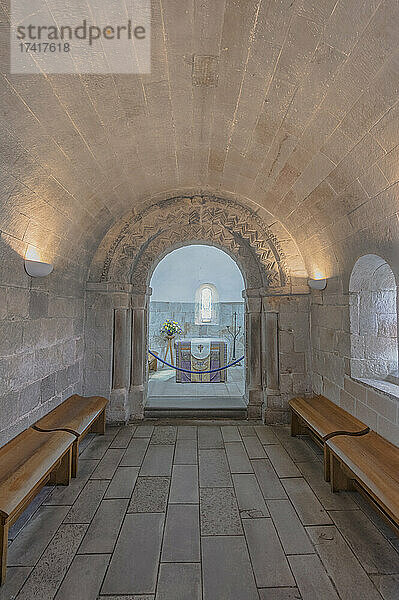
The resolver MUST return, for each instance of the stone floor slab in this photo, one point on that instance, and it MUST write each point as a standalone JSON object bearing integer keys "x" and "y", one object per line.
{"x": 179, "y": 582}
{"x": 31, "y": 510}
{"x": 266, "y": 434}
{"x": 135, "y": 452}
{"x": 16, "y": 577}
{"x": 187, "y": 432}
{"x": 30, "y": 544}
{"x": 184, "y": 485}
{"x": 108, "y": 464}
{"x": 253, "y": 447}
{"x": 134, "y": 563}
{"x": 281, "y": 461}
{"x": 214, "y": 469}
{"x": 351, "y": 581}
{"x": 122, "y": 483}
{"x": 226, "y": 568}
{"x": 209, "y": 436}
{"x": 84, "y": 578}
{"x": 306, "y": 504}
{"x": 219, "y": 512}
{"x": 164, "y": 434}
{"x": 296, "y": 447}
{"x": 238, "y": 458}
{"x": 374, "y": 516}
{"x": 44, "y": 580}
{"x": 290, "y": 530}
{"x": 66, "y": 495}
{"x": 230, "y": 433}
{"x": 186, "y": 452}
{"x": 101, "y": 535}
{"x": 181, "y": 538}
{"x": 99, "y": 445}
{"x": 87, "y": 503}
{"x": 311, "y": 578}
{"x": 280, "y": 594}
{"x": 268, "y": 481}
{"x": 314, "y": 474}
{"x": 123, "y": 438}
{"x": 157, "y": 461}
{"x": 246, "y": 430}
{"x": 387, "y": 585}
{"x": 251, "y": 503}
{"x": 267, "y": 556}
{"x": 144, "y": 431}
{"x": 128, "y": 597}
{"x": 375, "y": 552}
{"x": 150, "y": 495}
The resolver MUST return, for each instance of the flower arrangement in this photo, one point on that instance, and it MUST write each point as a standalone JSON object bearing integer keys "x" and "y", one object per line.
{"x": 170, "y": 328}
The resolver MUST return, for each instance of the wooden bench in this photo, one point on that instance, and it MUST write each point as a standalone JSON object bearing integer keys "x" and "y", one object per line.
{"x": 323, "y": 420}
{"x": 370, "y": 463}
{"x": 78, "y": 415}
{"x": 27, "y": 463}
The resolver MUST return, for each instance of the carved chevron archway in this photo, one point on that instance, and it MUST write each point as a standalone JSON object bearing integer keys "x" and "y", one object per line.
{"x": 182, "y": 220}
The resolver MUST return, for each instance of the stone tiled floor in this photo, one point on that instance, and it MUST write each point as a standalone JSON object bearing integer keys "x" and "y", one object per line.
{"x": 163, "y": 384}
{"x": 200, "y": 510}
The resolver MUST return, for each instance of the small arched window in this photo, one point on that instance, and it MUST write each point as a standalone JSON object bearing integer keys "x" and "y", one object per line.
{"x": 206, "y": 305}
{"x": 373, "y": 319}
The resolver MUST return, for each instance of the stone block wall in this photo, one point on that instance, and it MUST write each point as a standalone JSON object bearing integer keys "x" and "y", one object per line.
{"x": 41, "y": 344}
{"x": 331, "y": 365}
{"x": 294, "y": 354}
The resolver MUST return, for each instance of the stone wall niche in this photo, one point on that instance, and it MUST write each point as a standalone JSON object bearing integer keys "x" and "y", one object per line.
{"x": 373, "y": 319}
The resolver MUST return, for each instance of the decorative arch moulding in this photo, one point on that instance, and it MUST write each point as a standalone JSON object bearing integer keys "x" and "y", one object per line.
{"x": 147, "y": 236}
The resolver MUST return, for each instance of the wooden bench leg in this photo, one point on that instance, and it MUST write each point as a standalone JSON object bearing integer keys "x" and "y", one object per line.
{"x": 339, "y": 480}
{"x": 75, "y": 458}
{"x": 3, "y": 549}
{"x": 62, "y": 474}
{"x": 327, "y": 463}
{"x": 296, "y": 425}
{"x": 99, "y": 425}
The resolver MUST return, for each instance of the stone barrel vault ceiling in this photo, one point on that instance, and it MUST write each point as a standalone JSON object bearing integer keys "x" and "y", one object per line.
{"x": 288, "y": 106}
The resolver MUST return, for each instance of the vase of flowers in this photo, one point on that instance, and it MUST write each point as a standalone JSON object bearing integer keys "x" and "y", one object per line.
{"x": 170, "y": 329}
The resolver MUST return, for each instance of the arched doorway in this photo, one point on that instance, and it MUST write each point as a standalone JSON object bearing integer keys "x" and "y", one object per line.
{"x": 196, "y": 294}
{"x": 118, "y": 295}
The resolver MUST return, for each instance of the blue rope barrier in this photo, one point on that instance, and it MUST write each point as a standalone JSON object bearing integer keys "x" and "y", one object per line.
{"x": 196, "y": 372}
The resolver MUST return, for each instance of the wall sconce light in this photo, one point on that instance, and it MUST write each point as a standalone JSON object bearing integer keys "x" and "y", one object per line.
{"x": 34, "y": 266}
{"x": 318, "y": 282}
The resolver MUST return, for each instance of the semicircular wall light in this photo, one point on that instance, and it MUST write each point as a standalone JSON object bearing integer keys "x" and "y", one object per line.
{"x": 34, "y": 266}
{"x": 318, "y": 282}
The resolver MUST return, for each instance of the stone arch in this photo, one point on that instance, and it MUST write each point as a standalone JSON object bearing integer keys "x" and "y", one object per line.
{"x": 185, "y": 219}
{"x": 118, "y": 289}
{"x": 143, "y": 264}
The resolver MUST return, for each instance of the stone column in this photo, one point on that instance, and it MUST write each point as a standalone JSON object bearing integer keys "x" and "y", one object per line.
{"x": 139, "y": 362}
{"x": 107, "y": 351}
{"x": 273, "y": 411}
{"x": 253, "y": 326}
{"x": 272, "y": 354}
{"x": 121, "y": 364}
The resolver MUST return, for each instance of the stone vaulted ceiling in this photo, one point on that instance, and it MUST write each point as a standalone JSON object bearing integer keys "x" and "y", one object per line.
{"x": 289, "y": 106}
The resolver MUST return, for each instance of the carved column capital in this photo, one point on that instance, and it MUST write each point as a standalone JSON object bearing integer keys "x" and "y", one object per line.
{"x": 140, "y": 300}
